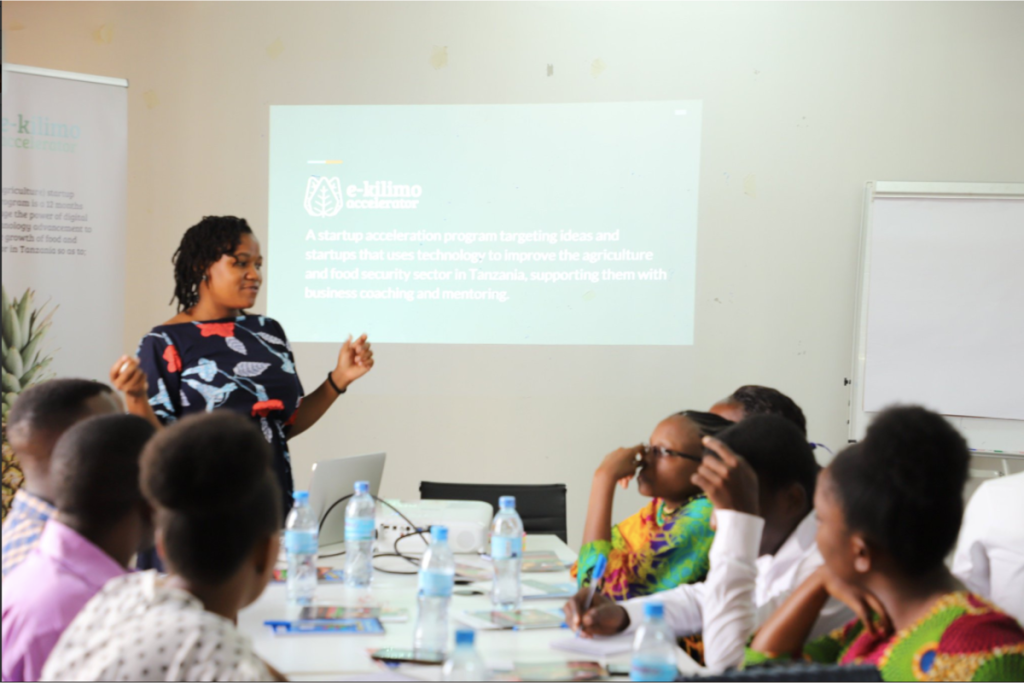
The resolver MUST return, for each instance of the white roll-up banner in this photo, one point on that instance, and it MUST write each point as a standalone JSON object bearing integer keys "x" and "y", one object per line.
{"x": 65, "y": 140}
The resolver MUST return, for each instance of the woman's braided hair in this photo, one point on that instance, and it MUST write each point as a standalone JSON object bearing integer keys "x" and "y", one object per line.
{"x": 202, "y": 245}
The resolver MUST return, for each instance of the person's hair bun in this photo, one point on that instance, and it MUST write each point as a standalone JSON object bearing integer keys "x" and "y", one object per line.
{"x": 902, "y": 486}
{"x": 918, "y": 449}
{"x": 205, "y": 462}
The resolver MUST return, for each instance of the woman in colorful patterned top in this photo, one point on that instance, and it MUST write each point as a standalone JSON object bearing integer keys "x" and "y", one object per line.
{"x": 666, "y": 543}
{"x": 889, "y": 509}
{"x": 213, "y": 355}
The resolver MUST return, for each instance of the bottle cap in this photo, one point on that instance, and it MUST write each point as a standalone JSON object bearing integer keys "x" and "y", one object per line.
{"x": 362, "y": 487}
{"x": 654, "y": 610}
{"x": 439, "y": 533}
{"x": 507, "y": 502}
{"x": 463, "y": 636}
{"x": 301, "y": 496}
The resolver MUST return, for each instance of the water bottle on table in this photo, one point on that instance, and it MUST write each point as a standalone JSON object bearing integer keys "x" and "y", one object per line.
{"x": 360, "y": 522}
{"x": 464, "y": 664}
{"x": 654, "y": 648}
{"x": 507, "y": 554}
{"x": 301, "y": 538}
{"x": 436, "y": 581}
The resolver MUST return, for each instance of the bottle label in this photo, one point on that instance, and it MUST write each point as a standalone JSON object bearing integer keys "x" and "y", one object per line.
{"x": 506, "y": 547}
{"x": 436, "y": 584}
{"x": 300, "y": 542}
{"x": 640, "y": 670}
{"x": 359, "y": 529}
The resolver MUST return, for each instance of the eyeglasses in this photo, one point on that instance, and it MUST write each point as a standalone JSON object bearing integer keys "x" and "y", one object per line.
{"x": 661, "y": 451}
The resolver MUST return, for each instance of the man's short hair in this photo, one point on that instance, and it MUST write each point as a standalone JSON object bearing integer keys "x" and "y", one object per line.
{"x": 95, "y": 468}
{"x": 54, "y": 405}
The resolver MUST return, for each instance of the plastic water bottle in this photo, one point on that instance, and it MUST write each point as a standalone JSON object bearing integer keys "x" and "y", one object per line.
{"x": 301, "y": 537}
{"x": 437, "y": 579}
{"x": 464, "y": 664}
{"x": 360, "y": 522}
{"x": 654, "y": 648}
{"x": 507, "y": 554}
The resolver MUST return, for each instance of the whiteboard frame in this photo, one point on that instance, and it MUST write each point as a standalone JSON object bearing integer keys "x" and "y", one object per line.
{"x": 858, "y": 418}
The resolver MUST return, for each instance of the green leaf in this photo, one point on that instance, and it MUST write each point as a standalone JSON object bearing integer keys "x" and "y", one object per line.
{"x": 31, "y": 347}
{"x": 11, "y": 383}
{"x": 13, "y": 364}
{"x": 8, "y": 325}
{"x": 24, "y": 308}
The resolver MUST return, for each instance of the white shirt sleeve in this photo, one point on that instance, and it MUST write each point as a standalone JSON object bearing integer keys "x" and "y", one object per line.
{"x": 833, "y": 615}
{"x": 682, "y": 608}
{"x": 730, "y": 612}
{"x": 971, "y": 562}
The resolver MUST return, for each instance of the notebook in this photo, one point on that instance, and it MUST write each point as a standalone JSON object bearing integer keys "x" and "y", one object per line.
{"x": 534, "y": 589}
{"x": 516, "y": 620}
{"x": 329, "y": 612}
{"x": 598, "y": 646}
{"x": 339, "y": 626}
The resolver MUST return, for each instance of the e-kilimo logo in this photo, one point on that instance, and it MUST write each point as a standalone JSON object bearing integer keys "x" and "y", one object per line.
{"x": 325, "y": 197}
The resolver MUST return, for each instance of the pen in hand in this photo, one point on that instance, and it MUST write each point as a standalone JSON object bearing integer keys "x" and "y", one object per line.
{"x": 595, "y": 578}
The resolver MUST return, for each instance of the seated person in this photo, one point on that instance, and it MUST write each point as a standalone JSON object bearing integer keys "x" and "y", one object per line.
{"x": 752, "y": 399}
{"x": 666, "y": 543}
{"x": 217, "y": 506}
{"x": 989, "y": 556}
{"x": 889, "y": 510}
{"x": 101, "y": 522}
{"x": 761, "y": 488}
{"x": 37, "y": 419}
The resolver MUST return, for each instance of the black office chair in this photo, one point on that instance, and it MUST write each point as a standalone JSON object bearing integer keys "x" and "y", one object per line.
{"x": 541, "y": 506}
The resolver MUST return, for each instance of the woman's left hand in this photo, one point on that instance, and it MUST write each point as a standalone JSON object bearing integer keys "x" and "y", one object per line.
{"x": 867, "y": 608}
{"x": 354, "y": 360}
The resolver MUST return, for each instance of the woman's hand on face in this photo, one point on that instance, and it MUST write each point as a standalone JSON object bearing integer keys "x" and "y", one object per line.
{"x": 354, "y": 360}
{"x": 728, "y": 480}
{"x": 860, "y": 601}
{"x": 621, "y": 464}
{"x": 128, "y": 378}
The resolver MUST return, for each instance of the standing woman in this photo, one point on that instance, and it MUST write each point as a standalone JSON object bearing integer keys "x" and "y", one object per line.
{"x": 213, "y": 354}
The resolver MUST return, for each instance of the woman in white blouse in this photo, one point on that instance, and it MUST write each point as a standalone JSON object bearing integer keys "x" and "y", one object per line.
{"x": 216, "y": 499}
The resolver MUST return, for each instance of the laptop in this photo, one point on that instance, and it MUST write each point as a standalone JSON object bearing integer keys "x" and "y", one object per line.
{"x": 335, "y": 479}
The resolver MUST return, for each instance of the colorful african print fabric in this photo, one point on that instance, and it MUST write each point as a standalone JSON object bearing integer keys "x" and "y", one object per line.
{"x": 243, "y": 364}
{"x": 962, "y": 638}
{"x": 646, "y": 557}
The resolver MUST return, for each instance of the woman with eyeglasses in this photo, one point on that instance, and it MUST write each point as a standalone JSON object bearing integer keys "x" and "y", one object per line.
{"x": 666, "y": 543}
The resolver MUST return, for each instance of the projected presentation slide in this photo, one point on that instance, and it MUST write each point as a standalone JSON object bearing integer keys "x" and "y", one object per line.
{"x": 485, "y": 224}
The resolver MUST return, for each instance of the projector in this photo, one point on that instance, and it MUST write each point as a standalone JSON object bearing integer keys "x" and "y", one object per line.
{"x": 468, "y": 522}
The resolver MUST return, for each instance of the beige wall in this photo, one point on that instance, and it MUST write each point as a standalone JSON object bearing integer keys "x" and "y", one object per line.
{"x": 802, "y": 104}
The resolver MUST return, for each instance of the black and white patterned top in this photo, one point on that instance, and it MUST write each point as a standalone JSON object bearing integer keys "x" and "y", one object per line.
{"x": 140, "y": 629}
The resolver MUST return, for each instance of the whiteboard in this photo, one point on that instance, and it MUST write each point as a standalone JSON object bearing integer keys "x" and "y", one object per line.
{"x": 940, "y": 313}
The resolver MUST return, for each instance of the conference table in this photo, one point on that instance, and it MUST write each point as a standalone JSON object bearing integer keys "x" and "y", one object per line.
{"x": 337, "y": 657}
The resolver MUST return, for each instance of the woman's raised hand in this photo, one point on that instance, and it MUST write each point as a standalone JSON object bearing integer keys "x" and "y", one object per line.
{"x": 621, "y": 464}
{"x": 128, "y": 378}
{"x": 354, "y": 360}
{"x": 728, "y": 480}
